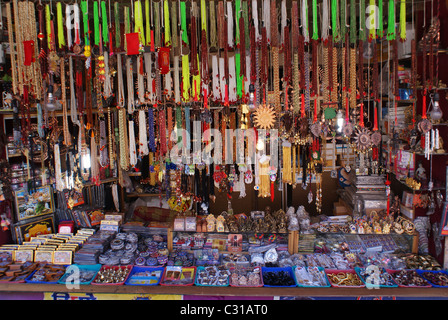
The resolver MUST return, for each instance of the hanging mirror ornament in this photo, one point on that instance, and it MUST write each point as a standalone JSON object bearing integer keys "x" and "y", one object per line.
{"x": 363, "y": 139}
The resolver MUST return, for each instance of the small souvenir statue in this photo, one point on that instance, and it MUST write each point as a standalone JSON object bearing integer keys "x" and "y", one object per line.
{"x": 420, "y": 172}
{"x": 282, "y": 226}
{"x": 211, "y": 222}
{"x": 220, "y": 222}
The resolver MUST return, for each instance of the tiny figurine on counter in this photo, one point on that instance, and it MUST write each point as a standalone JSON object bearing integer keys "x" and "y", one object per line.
{"x": 420, "y": 172}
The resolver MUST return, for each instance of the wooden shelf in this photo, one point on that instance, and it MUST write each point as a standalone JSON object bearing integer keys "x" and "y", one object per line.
{"x": 136, "y": 195}
{"x": 228, "y": 291}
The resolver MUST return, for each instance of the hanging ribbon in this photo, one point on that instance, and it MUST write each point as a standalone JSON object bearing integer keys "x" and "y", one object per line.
{"x": 362, "y": 20}
{"x": 117, "y": 25}
{"x": 48, "y": 26}
{"x": 304, "y": 16}
{"x": 68, "y": 25}
{"x": 403, "y": 20}
{"x": 391, "y": 21}
{"x": 335, "y": 20}
{"x": 380, "y": 32}
{"x": 85, "y": 20}
{"x": 373, "y": 22}
{"x": 352, "y": 22}
{"x": 156, "y": 22}
{"x": 105, "y": 28}
{"x": 60, "y": 21}
{"x": 167, "y": 28}
{"x": 315, "y": 32}
{"x": 96, "y": 24}
{"x": 343, "y": 19}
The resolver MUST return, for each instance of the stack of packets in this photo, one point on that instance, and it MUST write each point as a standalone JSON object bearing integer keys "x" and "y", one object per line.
{"x": 93, "y": 247}
{"x": 57, "y": 248}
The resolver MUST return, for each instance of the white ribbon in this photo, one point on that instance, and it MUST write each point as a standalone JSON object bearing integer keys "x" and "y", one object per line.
{"x": 142, "y": 135}
{"x": 305, "y": 20}
{"x": 73, "y": 110}
{"x": 107, "y": 83}
{"x": 176, "y": 80}
{"x": 140, "y": 83}
{"x": 76, "y": 22}
{"x": 68, "y": 24}
{"x": 267, "y": 18}
{"x": 132, "y": 146}
{"x": 255, "y": 18}
{"x": 215, "y": 79}
{"x": 230, "y": 24}
{"x": 232, "y": 80}
{"x": 57, "y": 168}
{"x": 325, "y": 19}
{"x": 284, "y": 17}
{"x": 130, "y": 84}
{"x": 222, "y": 78}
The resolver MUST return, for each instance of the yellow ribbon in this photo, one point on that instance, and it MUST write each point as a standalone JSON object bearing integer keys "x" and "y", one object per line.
{"x": 138, "y": 20}
{"x": 166, "y": 14}
{"x": 48, "y": 25}
{"x": 61, "y": 39}
{"x": 185, "y": 78}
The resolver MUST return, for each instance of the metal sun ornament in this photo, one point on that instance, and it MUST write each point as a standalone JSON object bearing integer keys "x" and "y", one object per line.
{"x": 264, "y": 117}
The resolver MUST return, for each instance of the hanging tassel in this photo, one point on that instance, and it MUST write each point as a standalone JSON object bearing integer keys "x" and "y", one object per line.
{"x": 325, "y": 20}
{"x": 373, "y": 22}
{"x": 362, "y": 20}
{"x": 391, "y": 21}
{"x": 380, "y": 32}
{"x": 104, "y": 23}
{"x": 343, "y": 18}
{"x": 60, "y": 22}
{"x": 138, "y": 22}
{"x": 142, "y": 137}
{"x": 167, "y": 28}
{"x": 117, "y": 25}
{"x": 315, "y": 32}
{"x": 132, "y": 145}
{"x": 335, "y": 20}
{"x": 304, "y": 16}
{"x": 402, "y": 20}
{"x": 352, "y": 22}
{"x": 96, "y": 24}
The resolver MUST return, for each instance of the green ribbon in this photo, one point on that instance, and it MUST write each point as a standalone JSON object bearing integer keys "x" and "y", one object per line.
{"x": 96, "y": 24}
{"x": 334, "y": 20}
{"x": 239, "y": 78}
{"x": 380, "y": 19}
{"x": 104, "y": 22}
{"x": 85, "y": 20}
{"x": 237, "y": 21}
{"x": 352, "y": 22}
{"x": 183, "y": 22}
{"x": 391, "y": 21}
{"x": 315, "y": 32}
